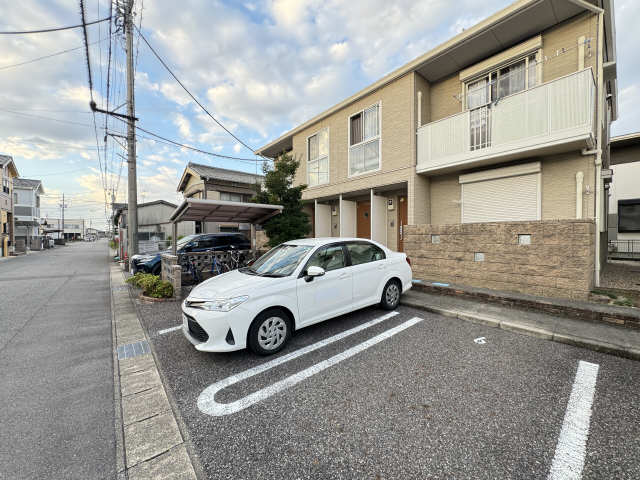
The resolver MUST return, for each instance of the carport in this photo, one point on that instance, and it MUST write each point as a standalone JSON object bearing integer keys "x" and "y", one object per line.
{"x": 193, "y": 209}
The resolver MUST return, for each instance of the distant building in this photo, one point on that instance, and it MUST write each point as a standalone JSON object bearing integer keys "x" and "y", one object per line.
{"x": 74, "y": 228}
{"x": 624, "y": 197}
{"x": 211, "y": 183}
{"x": 26, "y": 211}
{"x": 8, "y": 172}
{"x": 154, "y": 227}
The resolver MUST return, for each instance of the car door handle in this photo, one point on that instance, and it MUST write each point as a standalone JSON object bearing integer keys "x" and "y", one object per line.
{"x": 381, "y": 267}
{"x": 343, "y": 276}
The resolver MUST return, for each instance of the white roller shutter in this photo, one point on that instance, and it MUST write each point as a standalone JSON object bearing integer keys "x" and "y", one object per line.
{"x": 510, "y": 198}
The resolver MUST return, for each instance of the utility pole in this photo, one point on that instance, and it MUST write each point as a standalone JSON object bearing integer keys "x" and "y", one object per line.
{"x": 132, "y": 214}
{"x": 62, "y": 207}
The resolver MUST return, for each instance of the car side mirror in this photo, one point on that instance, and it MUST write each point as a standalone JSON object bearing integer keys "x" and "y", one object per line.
{"x": 314, "y": 271}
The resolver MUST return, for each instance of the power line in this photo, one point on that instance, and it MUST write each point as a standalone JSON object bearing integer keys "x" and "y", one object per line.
{"x": 192, "y": 96}
{"x": 44, "y": 57}
{"x": 56, "y": 29}
{"x": 182, "y": 145}
{"x": 42, "y": 117}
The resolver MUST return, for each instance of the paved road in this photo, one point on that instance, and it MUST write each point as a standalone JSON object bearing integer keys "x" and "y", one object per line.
{"x": 56, "y": 388}
{"x": 427, "y": 402}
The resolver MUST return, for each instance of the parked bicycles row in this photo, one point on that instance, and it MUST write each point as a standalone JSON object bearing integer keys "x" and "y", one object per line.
{"x": 199, "y": 266}
{"x": 191, "y": 245}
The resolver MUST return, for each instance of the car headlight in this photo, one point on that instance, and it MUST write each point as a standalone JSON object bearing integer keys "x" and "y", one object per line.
{"x": 217, "y": 305}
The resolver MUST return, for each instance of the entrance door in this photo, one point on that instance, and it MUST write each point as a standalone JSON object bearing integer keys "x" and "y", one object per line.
{"x": 402, "y": 221}
{"x": 364, "y": 220}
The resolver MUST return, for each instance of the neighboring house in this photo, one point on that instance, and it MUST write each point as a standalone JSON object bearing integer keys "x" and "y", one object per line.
{"x": 8, "y": 172}
{"x": 204, "y": 182}
{"x": 74, "y": 228}
{"x": 447, "y": 156}
{"x": 624, "y": 200}
{"x": 154, "y": 227}
{"x": 26, "y": 211}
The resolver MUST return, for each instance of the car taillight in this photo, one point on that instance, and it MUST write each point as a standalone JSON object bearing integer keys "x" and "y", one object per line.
{"x": 408, "y": 261}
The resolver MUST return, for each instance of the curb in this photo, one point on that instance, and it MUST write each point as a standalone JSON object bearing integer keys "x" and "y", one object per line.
{"x": 531, "y": 331}
{"x": 150, "y": 442}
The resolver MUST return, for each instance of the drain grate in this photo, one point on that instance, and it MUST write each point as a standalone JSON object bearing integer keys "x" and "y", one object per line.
{"x": 131, "y": 350}
{"x": 120, "y": 287}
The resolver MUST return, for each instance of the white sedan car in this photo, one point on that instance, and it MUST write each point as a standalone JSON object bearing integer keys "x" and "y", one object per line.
{"x": 295, "y": 284}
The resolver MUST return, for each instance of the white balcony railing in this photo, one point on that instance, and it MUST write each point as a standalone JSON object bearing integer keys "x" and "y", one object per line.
{"x": 554, "y": 116}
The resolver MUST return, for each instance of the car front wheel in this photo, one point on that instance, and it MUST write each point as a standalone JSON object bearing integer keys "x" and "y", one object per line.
{"x": 269, "y": 332}
{"x": 391, "y": 295}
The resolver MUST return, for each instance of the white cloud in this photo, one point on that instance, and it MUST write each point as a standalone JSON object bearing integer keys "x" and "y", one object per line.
{"x": 184, "y": 126}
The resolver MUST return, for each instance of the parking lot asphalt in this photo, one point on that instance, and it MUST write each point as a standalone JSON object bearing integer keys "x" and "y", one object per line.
{"x": 425, "y": 402}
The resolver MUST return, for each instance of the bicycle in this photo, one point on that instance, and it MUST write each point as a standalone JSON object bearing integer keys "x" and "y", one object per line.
{"x": 196, "y": 276}
{"x": 217, "y": 266}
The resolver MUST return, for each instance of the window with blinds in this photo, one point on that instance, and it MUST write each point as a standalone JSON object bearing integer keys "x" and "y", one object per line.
{"x": 502, "y": 195}
{"x": 318, "y": 158}
{"x": 364, "y": 141}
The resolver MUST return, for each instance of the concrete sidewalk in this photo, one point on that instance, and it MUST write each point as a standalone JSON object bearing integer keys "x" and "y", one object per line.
{"x": 620, "y": 341}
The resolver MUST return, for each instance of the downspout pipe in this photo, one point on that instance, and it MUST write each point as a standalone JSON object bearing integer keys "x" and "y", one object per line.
{"x": 599, "y": 115}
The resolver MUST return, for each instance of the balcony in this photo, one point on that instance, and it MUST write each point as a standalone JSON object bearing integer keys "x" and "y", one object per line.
{"x": 553, "y": 117}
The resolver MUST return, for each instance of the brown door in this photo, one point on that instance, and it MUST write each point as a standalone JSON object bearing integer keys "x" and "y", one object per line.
{"x": 402, "y": 221}
{"x": 364, "y": 220}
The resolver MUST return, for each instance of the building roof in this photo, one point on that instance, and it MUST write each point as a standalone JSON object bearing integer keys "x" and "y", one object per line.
{"x": 214, "y": 173}
{"x": 156, "y": 202}
{"x": 509, "y": 26}
{"x": 28, "y": 183}
{"x": 8, "y": 160}
{"x": 626, "y": 140}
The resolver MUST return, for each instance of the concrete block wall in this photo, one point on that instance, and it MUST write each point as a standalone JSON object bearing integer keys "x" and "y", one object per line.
{"x": 559, "y": 262}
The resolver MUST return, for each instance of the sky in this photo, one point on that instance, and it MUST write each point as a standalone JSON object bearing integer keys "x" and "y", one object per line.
{"x": 261, "y": 67}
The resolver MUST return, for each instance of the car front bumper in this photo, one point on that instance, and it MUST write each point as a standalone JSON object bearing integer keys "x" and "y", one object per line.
{"x": 216, "y": 326}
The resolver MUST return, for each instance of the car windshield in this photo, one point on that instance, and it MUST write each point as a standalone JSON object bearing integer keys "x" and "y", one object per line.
{"x": 279, "y": 262}
{"x": 184, "y": 240}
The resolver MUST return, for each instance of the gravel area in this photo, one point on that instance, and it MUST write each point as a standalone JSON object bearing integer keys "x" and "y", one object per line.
{"x": 622, "y": 274}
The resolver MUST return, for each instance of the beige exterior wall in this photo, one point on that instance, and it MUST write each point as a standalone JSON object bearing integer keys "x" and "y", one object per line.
{"x": 397, "y": 134}
{"x": 559, "y": 186}
{"x": 565, "y": 36}
{"x": 445, "y": 199}
{"x": 422, "y": 85}
{"x": 445, "y": 99}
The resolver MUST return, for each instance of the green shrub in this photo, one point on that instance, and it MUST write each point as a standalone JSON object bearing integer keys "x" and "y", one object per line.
{"x": 163, "y": 289}
{"x": 151, "y": 285}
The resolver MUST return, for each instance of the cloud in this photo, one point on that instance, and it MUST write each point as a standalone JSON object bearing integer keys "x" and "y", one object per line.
{"x": 184, "y": 126}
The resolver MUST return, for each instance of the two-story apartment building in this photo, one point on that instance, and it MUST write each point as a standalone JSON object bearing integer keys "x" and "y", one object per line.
{"x": 205, "y": 182}
{"x": 8, "y": 172}
{"x": 26, "y": 210}
{"x": 481, "y": 158}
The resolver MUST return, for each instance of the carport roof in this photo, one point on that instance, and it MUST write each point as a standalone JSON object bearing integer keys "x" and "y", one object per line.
{"x": 223, "y": 211}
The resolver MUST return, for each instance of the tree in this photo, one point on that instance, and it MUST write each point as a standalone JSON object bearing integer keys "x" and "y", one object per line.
{"x": 278, "y": 189}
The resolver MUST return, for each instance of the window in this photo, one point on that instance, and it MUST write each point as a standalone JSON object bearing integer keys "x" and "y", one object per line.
{"x": 491, "y": 87}
{"x": 629, "y": 215}
{"x": 364, "y": 141}
{"x": 318, "y": 158}
{"x": 364, "y": 252}
{"x": 329, "y": 258}
{"x": 231, "y": 197}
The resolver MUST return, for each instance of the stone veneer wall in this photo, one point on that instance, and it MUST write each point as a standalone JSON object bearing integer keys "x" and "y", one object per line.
{"x": 559, "y": 262}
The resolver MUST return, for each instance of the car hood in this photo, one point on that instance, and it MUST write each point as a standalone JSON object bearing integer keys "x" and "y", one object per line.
{"x": 232, "y": 284}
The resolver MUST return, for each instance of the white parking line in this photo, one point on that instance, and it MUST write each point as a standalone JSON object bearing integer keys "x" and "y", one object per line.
{"x": 206, "y": 400}
{"x": 167, "y": 330}
{"x": 572, "y": 443}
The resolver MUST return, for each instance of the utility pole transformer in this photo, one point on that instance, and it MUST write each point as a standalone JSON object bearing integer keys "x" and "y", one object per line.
{"x": 132, "y": 214}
